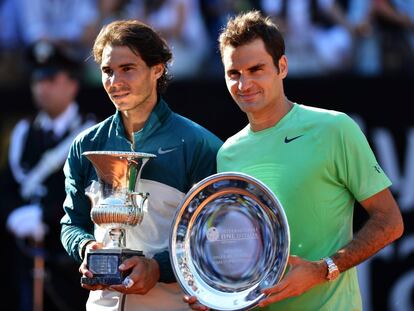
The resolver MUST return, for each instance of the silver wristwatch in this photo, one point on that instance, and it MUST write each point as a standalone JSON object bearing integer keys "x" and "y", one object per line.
{"x": 333, "y": 271}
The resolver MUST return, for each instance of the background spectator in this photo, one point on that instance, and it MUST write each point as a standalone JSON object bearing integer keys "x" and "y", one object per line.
{"x": 180, "y": 23}
{"x": 33, "y": 187}
{"x": 395, "y": 22}
{"x": 61, "y": 22}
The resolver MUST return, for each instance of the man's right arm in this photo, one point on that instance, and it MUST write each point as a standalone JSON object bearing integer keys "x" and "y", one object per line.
{"x": 77, "y": 226}
{"x": 74, "y": 239}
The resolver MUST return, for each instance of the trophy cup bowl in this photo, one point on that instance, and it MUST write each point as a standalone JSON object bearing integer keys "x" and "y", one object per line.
{"x": 117, "y": 205}
{"x": 229, "y": 240}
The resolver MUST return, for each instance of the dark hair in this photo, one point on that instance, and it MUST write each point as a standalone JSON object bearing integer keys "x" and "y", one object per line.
{"x": 246, "y": 27}
{"x": 141, "y": 39}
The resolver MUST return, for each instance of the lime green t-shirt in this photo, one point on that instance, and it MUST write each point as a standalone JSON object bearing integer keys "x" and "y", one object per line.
{"x": 317, "y": 162}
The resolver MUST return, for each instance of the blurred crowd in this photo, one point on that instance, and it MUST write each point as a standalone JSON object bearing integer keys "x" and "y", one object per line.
{"x": 364, "y": 37}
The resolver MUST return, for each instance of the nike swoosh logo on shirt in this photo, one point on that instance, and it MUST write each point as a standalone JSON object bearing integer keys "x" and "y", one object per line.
{"x": 164, "y": 151}
{"x": 288, "y": 140}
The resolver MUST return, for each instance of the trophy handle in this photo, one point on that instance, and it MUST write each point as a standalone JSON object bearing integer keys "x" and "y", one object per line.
{"x": 135, "y": 167}
{"x": 93, "y": 192}
{"x": 136, "y": 197}
{"x": 138, "y": 200}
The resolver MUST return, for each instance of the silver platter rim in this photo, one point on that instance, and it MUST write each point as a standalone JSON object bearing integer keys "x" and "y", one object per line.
{"x": 209, "y": 296}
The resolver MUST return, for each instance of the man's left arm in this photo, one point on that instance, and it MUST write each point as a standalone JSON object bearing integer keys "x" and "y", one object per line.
{"x": 383, "y": 226}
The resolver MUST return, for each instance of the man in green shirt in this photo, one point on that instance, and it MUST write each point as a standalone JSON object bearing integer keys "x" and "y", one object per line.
{"x": 317, "y": 162}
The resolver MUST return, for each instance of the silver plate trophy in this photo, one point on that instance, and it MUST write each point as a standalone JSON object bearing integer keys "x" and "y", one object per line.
{"x": 117, "y": 204}
{"x": 230, "y": 239}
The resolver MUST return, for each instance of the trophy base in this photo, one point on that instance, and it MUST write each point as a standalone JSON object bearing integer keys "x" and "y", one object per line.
{"x": 104, "y": 263}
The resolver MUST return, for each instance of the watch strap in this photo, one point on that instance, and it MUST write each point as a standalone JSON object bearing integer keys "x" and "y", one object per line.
{"x": 333, "y": 271}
